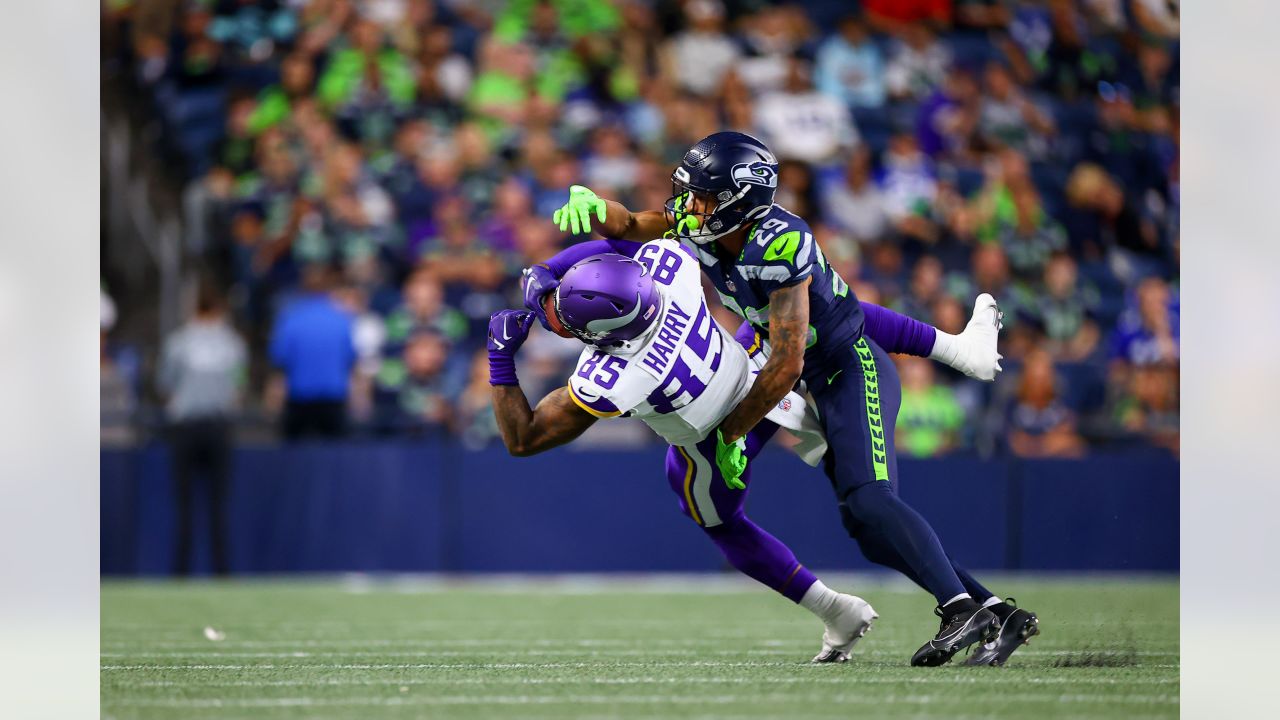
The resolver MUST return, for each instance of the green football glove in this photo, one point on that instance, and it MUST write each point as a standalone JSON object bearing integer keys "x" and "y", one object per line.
{"x": 576, "y": 214}
{"x": 731, "y": 458}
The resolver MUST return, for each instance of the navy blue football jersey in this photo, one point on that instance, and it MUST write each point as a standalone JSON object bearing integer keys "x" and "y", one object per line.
{"x": 780, "y": 251}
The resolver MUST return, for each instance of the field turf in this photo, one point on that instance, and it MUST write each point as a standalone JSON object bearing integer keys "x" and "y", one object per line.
{"x": 576, "y": 648}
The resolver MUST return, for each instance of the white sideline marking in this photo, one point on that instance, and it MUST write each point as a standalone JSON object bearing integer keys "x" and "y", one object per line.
{"x": 914, "y": 699}
{"x": 574, "y": 653}
{"x": 496, "y": 642}
{"x": 483, "y": 666}
{"x": 730, "y": 680}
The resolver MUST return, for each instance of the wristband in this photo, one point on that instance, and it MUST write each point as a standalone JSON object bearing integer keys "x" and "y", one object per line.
{"x": 502, "y": 369}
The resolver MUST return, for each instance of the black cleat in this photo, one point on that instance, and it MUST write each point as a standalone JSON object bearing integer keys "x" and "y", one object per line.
{"x": 956, "y": 633}
{"x": 1016, "y": 630}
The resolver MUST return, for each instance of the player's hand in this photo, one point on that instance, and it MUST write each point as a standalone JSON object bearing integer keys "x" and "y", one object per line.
{"x": 575, "y": 215}
{"x": 508, "y": 330}
{"x": 538, "y": 281}
{"x": 731, "y": 458}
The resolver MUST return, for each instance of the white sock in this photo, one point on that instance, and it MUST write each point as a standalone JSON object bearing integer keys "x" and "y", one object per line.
{"x": 820, "y": 600}
{"x": 993, "y": 600}
{"x": 961, "y": 596}
{"x": 946, "y": 348}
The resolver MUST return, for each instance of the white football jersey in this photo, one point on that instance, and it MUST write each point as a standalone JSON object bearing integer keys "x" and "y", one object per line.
{"x": 684, "y": 375}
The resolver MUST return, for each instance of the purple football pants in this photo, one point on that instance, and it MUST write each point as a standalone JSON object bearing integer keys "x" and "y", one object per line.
{"x": 718, "y": 510}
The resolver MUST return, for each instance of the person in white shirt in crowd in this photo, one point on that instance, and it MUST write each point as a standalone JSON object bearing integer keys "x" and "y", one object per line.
{"x": 800, "y": 123}
{"x": 855, "y": 204}
{"x": 698, "y": 57}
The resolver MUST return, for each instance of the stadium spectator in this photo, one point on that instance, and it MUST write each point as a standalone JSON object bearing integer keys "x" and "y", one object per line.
{"x": 412, "y": 392}
{"x": 947, "y": 120}
{"x": 1064, "y": 309}
{"x": 797, "y": 188}
{"x": 1009, "y": 118}
{"x": 1148, "y": 334}
{"x": 930, "y": 419}
{"x": 925, "y": 288}
{"x": 1120, "y": 225}
{"x": 366, "y": 75}
{"x": 444, "y": 76}
{"x": 423, "y": 308}
{"x": 908, "y": 180}
{"x": 276, "y": 103}
{"x": 800, "y": 123}
{"x": 1039, "y": 422}
{"x": 1148, "y": 406}
{"x": 201, "y": 374}
{"x": 1027, "y": 233}
{"x": 312, "y": 345}
{"x": 850, "y": 67}
{"x": 855, "y": 203}
{"x": 918, "y": 64}
{"x": 698, "y": 57}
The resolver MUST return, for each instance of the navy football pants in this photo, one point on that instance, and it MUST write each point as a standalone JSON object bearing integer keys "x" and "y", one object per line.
{"x": 858, "y": 409}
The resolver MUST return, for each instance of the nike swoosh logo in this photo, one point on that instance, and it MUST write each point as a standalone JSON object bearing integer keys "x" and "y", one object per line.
{"x": 604, "y": 325}
{"x": 589, "y": 397}
{"x": 505, "y": 334}
{"x": 957, "y": 633}
{"x": 833, "y": 377}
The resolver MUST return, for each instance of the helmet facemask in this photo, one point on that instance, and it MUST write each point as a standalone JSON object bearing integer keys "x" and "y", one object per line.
{"x": 703, "y": 227}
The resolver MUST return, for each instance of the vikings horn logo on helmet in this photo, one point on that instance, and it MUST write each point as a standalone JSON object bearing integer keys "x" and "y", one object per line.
{"x": 756, "y": 173}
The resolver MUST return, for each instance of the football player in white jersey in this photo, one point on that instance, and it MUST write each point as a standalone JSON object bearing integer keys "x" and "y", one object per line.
{"x": 655, "y": 352}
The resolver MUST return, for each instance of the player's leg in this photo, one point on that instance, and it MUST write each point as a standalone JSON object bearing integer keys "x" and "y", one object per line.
{"x": 859, "y": 408}
{"x": 719, "y": 510}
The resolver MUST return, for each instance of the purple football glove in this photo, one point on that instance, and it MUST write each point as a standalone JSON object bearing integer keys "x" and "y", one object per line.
{"x": 508, "y": 330}
{"x": 538, "y": 281}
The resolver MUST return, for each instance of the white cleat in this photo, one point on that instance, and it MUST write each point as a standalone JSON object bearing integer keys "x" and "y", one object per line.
{"x": 846, "y": 629}
{"x": 977, "y": 356}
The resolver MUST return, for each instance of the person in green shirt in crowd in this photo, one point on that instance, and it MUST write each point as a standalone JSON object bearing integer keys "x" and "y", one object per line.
{"x": 367, "y": 66}
{"x": 275, "y": 104}
{"x": 931, "y": 418}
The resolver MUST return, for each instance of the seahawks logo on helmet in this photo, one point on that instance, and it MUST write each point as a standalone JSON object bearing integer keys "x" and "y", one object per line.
{"x": 756, "y": 173}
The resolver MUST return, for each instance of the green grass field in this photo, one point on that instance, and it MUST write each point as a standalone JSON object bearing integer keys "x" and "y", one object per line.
{"x": 580, "y": 648}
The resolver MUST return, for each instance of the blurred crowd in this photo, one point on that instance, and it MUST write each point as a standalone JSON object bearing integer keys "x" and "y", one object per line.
{"x": 366, "y": 179}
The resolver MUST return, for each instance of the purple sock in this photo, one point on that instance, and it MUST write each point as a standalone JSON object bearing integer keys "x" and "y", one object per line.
{"x": 762, "y": 557}
{"x": 897, "y": 333}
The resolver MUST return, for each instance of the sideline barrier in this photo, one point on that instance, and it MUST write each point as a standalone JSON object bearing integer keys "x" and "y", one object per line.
{"x": 434, "y": 507}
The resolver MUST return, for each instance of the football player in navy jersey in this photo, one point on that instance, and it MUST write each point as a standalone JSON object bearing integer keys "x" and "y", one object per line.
{"x": 767, "y": 268}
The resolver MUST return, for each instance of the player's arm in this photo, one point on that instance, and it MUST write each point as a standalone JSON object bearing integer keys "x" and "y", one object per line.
{"x": 528, "y": 431}
{"x": 611, "y": 219}
{"x": 788, "y": 332}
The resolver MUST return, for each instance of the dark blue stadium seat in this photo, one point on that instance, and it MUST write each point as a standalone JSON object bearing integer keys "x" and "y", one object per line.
{"x": 875, "y": 125}
{"x": 827, "y": 14}
{"x": 970, "y": 51}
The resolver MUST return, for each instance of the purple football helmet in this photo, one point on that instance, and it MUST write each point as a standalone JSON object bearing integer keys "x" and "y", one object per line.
{"x": 607, "y": 299}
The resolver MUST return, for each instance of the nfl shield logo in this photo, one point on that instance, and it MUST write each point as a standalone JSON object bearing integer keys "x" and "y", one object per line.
{"x": 785, "y": 404}
{"x": 729, "y": 284}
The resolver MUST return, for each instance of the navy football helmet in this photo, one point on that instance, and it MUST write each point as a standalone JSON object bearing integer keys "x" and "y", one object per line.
{"x": 730, "y": 172}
